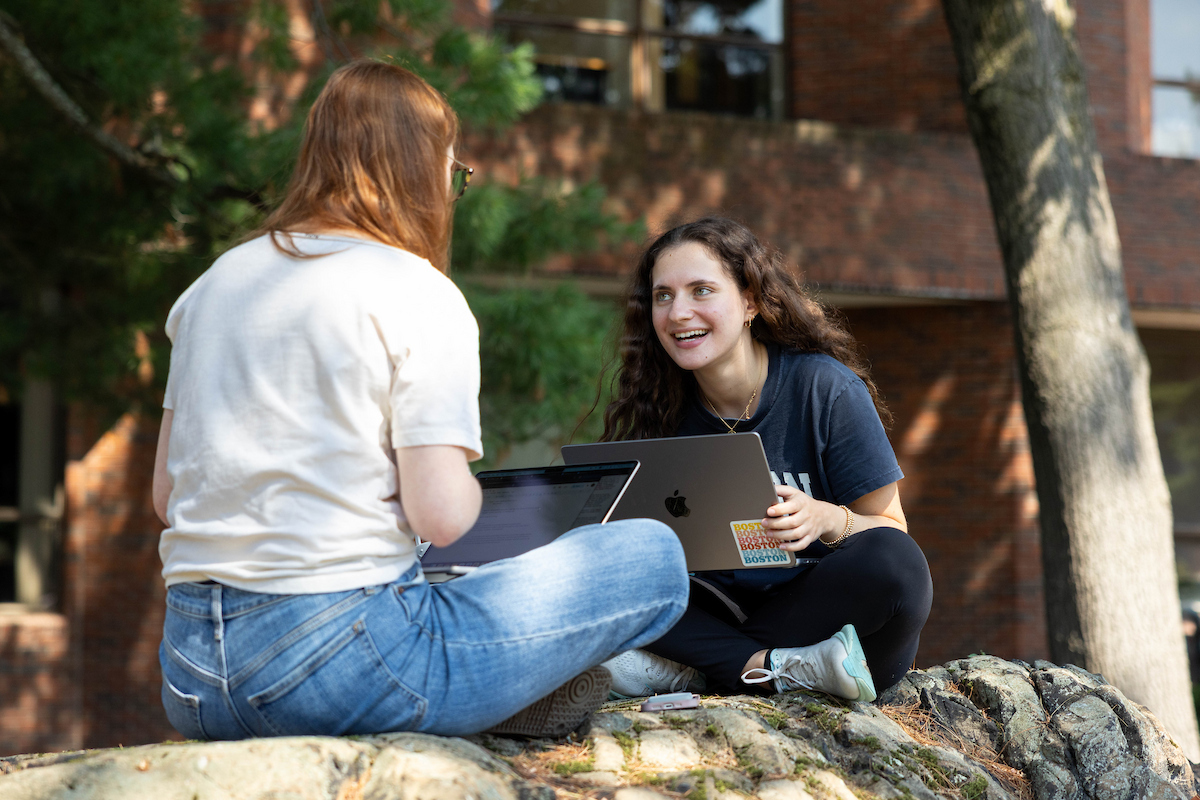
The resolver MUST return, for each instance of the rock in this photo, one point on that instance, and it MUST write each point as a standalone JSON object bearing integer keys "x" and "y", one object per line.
{"x": 757, "y": 743}
{"x": 829, "y": 786}
{"x": 979, "y": 728}
{"x": 668, "y": 750}
{"x": 783, "y": 790}
{"x": 607, "y": 755}
{"x": 637, "y": 793}
{"x": 1027, "y": 741}
{"x": 598, "y": 778}
{"x": 411, "y": 766}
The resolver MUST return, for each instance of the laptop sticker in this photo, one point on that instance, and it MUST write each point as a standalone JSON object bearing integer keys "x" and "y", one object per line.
{"x": 754, "y": 545}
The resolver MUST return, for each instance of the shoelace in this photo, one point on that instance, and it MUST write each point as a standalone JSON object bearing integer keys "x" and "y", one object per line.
{"x": 663, "y": 667}
{"x": 786, "y": 675}
{"x": 681, "y": 681}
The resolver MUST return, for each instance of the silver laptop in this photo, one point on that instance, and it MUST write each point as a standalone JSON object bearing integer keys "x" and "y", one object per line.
{"x": 712, "y": 490}
{"x": 527, "y": 508}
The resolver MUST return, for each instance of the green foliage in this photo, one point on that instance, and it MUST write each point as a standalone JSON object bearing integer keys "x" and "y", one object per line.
{"x": 869, "y": 742}
{"x": 542, "y": 352}
{"x": 776, "y": 719}
{"x": 974, "y": 788}
{"x": 627, "y": 742}
{"x": 828, "y": 718}
{"x": 93, "y": 254}
{"x": 509, "y": 228}
{"x": 573, "y": 767}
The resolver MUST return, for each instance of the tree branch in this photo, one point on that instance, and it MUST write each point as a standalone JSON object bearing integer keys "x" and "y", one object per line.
{"x": 58, "y": 99}
{"x": 327, "y": 36}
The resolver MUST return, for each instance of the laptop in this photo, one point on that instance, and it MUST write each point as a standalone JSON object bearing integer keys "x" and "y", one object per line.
{"x": 713, "y": 491}
{"x": 527, "y": 508}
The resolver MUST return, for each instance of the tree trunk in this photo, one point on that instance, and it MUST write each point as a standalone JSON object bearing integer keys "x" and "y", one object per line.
{"x": 1111, "y": 596}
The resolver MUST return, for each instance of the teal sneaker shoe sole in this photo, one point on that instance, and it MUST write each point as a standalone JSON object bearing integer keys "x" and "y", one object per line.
{"x": 856, "y": 663}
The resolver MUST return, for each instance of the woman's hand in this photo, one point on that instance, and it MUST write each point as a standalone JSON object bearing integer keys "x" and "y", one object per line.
{"x": 799, "y": 520}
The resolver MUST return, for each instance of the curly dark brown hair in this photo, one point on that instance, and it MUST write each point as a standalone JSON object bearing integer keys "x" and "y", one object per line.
{"x": 653, "y": 391}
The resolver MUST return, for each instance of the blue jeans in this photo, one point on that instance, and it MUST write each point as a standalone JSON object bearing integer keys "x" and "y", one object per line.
{"x": 451, "y": 658}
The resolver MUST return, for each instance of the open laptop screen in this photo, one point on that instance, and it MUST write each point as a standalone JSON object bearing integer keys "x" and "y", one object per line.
{"x": 527, "y": 508}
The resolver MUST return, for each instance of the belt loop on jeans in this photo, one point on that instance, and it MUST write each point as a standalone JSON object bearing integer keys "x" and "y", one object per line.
{"x": 217, "y": 617}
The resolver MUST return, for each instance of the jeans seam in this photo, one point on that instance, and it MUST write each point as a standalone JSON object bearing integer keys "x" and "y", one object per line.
{"x": 183, "y": 697}
{"x": 196, "y": 671}
{"x": 295, "y": 635}
{"x": 265, "y": 604}
{"x": 186, "y": 613}
{"x": 233, "y": 710}
{"x": 356, "y": 636}
{"x": 331, "y": 649}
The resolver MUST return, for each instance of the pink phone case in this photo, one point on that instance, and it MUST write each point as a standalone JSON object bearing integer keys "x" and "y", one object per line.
{"x": 667, "y": 702}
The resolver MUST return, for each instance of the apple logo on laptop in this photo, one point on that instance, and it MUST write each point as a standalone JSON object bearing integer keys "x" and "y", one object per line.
{"x": 677, "y": 506}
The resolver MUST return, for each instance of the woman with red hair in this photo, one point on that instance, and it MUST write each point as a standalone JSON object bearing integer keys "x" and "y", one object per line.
{"x": 320, "y": 413}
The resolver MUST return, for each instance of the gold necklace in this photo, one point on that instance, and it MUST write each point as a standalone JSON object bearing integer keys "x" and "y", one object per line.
{"x": 745, "y": 412}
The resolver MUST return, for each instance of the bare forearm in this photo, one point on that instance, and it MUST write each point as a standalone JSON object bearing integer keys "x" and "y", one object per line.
{"x": 440, "y": 497}
{"x": 860, "y": 522}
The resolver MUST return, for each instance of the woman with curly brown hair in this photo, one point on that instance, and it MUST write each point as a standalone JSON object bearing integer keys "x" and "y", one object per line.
{"x": 721, "y": 336}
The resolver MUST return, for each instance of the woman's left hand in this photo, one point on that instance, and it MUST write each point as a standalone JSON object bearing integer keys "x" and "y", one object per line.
{"x": 798, "y": 520}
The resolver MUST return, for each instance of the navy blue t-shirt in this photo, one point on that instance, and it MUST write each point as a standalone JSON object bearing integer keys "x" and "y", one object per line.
{"x": 821, "y": 434}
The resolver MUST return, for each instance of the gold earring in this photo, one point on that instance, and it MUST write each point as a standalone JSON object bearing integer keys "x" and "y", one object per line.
{"x": 750, "y": 321}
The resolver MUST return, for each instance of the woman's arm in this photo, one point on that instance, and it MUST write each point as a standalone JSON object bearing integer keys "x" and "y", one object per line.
{"x": 878, "y": 509}
{"x": 160, "y": 489}
{"x": 799, "y": 520}
{"x": 440, "y": 496}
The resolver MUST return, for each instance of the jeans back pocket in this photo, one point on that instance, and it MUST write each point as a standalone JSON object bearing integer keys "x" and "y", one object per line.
{"x": 343, "y": 688}
{"x": 183, "y": 711}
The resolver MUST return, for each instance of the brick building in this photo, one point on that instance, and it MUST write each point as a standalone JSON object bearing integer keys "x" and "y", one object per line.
{"x": 836, "y": 131}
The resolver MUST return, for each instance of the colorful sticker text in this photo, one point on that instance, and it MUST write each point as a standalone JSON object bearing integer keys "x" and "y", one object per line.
{"x": 754, "y": 546}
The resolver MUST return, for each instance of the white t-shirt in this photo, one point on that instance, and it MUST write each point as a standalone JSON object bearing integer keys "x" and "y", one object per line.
{"x": 292, "y": 382}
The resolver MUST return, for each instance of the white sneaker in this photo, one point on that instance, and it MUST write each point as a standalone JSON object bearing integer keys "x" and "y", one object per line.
{"x": 636, "y": 673}
{"x": 835, "y": 666}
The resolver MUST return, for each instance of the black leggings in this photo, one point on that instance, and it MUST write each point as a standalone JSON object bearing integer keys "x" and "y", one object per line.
{"x": 878, "y": 580}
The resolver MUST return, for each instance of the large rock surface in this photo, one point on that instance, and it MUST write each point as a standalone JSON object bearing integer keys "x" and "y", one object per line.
{"x": 978, "y": 729}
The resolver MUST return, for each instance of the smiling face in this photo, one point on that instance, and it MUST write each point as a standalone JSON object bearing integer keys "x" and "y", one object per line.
{"x": 699, "y": 313}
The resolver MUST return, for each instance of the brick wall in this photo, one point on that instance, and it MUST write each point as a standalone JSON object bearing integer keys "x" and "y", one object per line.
{"x": 890, "y": 63}
{"x": 885, "y": 63}
{"x": 1157, "y": 204}
{"x": 948, "y": 375}
{"x": 1109, "y": 57}
{"x": 862, "y": 209}
{"x": 116, "y": 599}
{"x": 39, "y": 690}
{"x": 856, "y": 208}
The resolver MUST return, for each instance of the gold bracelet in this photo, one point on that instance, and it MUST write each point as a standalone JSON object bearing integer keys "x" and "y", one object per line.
{"x": 845, "y": 531}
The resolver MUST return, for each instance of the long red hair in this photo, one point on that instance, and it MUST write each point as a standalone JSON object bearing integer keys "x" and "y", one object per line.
{"x": 373, "y": 158}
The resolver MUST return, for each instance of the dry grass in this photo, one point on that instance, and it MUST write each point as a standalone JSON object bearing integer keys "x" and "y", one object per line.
{"x": 926, "y": 730}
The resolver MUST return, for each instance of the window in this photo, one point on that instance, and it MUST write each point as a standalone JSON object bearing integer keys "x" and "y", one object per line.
{"x": 1175, "y": 60}
{"x": 722, "y": 57}
{"x": 31, "y": 499}
{"x": 1175, "y": 395}
{"x": 10, "y": 425}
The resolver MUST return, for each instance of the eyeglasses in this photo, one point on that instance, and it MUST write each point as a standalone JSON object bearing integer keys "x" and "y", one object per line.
{"x": 460, "y": 179}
